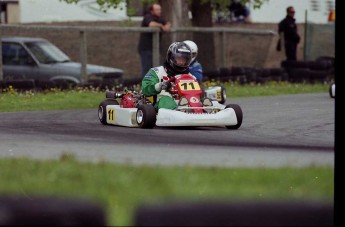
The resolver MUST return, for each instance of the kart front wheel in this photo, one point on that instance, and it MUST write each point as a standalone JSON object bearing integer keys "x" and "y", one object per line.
{"x": 146, "y": 116}
{"x": 102, "y": 109}
{"x": 239, "y": 116}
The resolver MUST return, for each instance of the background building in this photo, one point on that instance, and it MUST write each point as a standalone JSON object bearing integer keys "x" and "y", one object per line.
{"x": 273, "y": 11}
{"x": 38, "y": 11}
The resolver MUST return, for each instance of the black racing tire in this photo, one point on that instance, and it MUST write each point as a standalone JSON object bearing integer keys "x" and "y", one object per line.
{"x": 102, "y": 107}
{"x": 330, "y": 90}
{"x": 146, "y": 116}
{"x": 239, "y": 116}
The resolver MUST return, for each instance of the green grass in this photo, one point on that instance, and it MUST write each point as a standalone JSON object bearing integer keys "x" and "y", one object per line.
{"x": 273, "y": 88}
{"x": 11, "y": 100}
{"x": 120, "y": 189}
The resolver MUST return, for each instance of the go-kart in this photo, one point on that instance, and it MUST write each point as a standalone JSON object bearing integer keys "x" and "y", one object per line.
{"x": 193, "y": 108}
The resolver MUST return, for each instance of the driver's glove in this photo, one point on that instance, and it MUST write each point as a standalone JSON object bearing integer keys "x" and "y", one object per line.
{"x": 161, "y": 86}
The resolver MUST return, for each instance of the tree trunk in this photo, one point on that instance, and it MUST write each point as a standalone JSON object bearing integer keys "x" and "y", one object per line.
{"x": 176, "y": 12}
{"x": 202, "y": 17}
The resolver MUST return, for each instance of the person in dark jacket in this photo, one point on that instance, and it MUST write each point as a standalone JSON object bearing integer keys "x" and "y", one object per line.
{"x": 152, "y": 19}
{"x": 239, "y": 12}
{"x": 195, "y": 67}
{"x": 287, "y": 29}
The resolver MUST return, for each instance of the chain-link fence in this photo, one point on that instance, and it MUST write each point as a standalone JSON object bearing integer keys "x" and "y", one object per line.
{"x": 319, "y": 41}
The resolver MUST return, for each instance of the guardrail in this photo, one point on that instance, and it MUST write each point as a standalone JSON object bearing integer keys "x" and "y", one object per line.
{"x": 83, "y": 30}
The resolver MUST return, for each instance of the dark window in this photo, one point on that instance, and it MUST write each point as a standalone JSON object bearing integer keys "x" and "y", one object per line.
{"x": 15, "y": 54}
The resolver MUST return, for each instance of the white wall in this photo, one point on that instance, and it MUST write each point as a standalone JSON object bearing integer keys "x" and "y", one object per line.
{"x": 272, "y": 11}
{"x": 58, "y": 11}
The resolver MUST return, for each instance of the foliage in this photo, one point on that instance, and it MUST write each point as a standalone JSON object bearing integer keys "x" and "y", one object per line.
{"x": 107, "y": 4}
{"x": 103, "y": 4}
{"x": 223, "y": 4}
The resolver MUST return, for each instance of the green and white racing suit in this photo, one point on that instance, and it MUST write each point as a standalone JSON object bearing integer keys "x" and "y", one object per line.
{"x": 150, "y": 87}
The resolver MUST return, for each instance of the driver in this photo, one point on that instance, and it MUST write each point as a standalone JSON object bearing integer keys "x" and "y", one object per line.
{"x": 195, "y": 67}
{"x": 177, "y": 62}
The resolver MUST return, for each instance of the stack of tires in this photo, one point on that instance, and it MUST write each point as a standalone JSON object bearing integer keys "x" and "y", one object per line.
{"x": 263, "y": 75}
{"x": 245, "y": 75}
{"x": 320, "y": 70}
{"x": 233, "y": 74}
{"x": 20, "y": 85}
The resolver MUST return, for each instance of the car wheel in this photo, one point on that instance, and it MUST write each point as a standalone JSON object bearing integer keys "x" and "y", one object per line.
{"x": 65, "y": 84}
{"x": 102, "y": 109}
{"x": 146, "y": 116}
{"x": 239, "y": 116}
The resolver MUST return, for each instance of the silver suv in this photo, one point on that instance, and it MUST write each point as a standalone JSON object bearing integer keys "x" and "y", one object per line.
{"x": 39, "y": 60}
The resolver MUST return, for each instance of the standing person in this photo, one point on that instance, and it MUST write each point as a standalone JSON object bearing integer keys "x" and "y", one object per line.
{"x": 177, "y": 62}
{"x": 151, "y": 19}
{"x": 290, "y": 37}
{"x": 195, "y": 67}
{"x": 239, "y": 12}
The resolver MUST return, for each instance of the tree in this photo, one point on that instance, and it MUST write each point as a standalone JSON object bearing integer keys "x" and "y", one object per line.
{"x": 202, "y": 17}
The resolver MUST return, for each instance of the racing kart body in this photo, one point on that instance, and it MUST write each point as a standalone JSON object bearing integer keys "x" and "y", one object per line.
{"x": 216, "y": 92}
{"x": 193, "y": 108}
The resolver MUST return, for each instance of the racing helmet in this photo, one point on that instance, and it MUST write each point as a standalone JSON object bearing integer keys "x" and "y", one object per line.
{"x": 192, "y": 45}
{"x": 179, "y": 56}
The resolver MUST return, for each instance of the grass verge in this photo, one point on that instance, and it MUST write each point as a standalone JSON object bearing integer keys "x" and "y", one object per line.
{"x": 88, "y": 98}
{"x": 121, "y": 188}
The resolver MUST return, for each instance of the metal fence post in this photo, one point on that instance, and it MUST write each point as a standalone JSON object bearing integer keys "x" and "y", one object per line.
{"x": 1, "y": 67}
{"x": 155, "y": 46}
{"x": 83, "y": 56}
{"x": 222, "y": 48}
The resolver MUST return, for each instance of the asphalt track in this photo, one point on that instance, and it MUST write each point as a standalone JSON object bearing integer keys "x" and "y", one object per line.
{"x": 288, "y": 130}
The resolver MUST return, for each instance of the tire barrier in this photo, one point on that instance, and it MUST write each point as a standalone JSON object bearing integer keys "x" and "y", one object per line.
{"x": 330, "y": 60}
{"x": 274, "y": 213}
{"x": 232, "y": 74}
{"x": 48, "y": 211}
{"x": 299, "y": 75}
{"x": 245, "y": 75}
{"x": 24, "y": 85}
{"x": 320, "y": 70}
{"x": 211, "y": 75}
{"x": 20, "y": 85}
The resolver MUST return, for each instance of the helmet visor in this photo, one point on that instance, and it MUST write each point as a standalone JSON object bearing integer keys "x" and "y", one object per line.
{"x": 181, "y": 59}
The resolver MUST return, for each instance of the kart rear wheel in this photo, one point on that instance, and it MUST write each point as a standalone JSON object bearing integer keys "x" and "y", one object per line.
{"x": 239, "y": 116}
{"x": 331, "y": 90}
{"x": 146, "y": 116}
{"x": 102, "y": 109}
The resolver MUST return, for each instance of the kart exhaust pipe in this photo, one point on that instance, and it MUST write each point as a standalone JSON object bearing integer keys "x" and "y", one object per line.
{"x": 113, "y": 95}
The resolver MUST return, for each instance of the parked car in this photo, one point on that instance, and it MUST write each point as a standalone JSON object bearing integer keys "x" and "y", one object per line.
{"x": 38, "y": 60}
